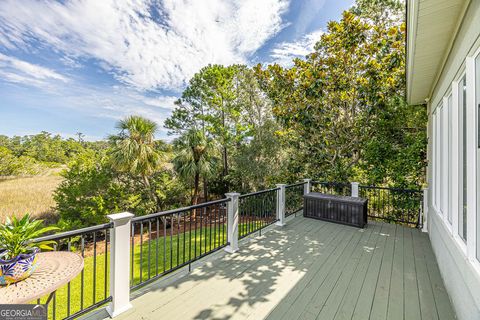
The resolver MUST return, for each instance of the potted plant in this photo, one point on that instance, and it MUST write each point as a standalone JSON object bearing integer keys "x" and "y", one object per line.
{"x": 18, "y": 251}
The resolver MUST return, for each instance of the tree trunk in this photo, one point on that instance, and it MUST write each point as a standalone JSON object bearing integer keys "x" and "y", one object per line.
{"x": 205, "y": 189}
{"x": 225, "y": 160}
{"x": 196, "y": 184}
{"x": 195, "y": 189}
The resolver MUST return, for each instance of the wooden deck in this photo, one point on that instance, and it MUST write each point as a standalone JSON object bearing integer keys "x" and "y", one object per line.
{"x": 310, "y": 269}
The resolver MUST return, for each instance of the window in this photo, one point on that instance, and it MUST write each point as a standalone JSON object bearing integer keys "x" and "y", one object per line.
{"x": 444, "y": 160}
{"x": 437, "y": 158}
{"x": 448, "y": 158}
{"x": 477, "y": 147}
{"x": 462, "y": 178}
{"x": 434, "y": 160}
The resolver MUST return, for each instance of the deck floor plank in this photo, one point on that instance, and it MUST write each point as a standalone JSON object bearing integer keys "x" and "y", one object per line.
{"x": 442, "y": 301}
{"x": 299, "y": 305}
{"x": 309, "y": 269}
{"x": 395, "y": 297}
{"x": 428, "y": 306}
{"x": 410, "y": 294}
{"x": 382, "y": 290}
{"x": 348, "y": 303}
{"x": 359, "y": 260}
{"x": 363, "y": 305}
{"x": 324, "y": 289}
{"x": 290, "y": 298}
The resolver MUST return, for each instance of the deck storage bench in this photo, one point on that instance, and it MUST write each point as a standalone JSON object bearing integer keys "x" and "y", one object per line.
{"x": 340, "y": 209}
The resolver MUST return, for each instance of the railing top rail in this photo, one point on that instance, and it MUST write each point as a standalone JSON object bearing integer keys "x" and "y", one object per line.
{"x": 258, "y": 192}
{"x": 73, "y": 233}
{"x": 295, "y": 184}
{"x": 391, "y": 189}
{"x": 183, "y": 209}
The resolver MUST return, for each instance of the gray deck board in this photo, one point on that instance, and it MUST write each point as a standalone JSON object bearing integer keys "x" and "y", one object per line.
{"x": 349, "y": 300}
{"x": 309, "y": 269}
{"x": 395, "y": 297}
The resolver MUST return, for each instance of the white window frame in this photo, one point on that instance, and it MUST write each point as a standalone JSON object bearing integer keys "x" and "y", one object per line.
{"x": 434, "y": 160}
{"x": 448, "y": 158}
{"x": 457, "y": 162}
{"x": 437, "y": 159}
{"x": 444, "y": 158}
{"x": 471, "y": 119}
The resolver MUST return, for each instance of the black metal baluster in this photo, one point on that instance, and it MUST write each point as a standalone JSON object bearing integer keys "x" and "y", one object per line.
{"x": 94, "y": 266}
{"x": 54, "y": 309}
{"x": 141, "y": 251}
{"x": 210, "y": 227}
{"x": 105, "y": 266}
{"x": 157, "y": 221}
{"x": 190, "y": 236}
{"x": 172, "y": 223}
{"x": 206, "y": 231}
{"x": 178, "y": 239}
{"x": 69, "y": 248}
{"x": 149, "y": 245}
{"x": 224, "y": 219}
{"x": 195, "y": 248}
{"x": 200, "y": 240}
{"x": 132, "y": 280}
{"x": 184, "y": 234}
{"x": 82, "y": 273}
{"x": 216, "y": 208}
{"x": 164, "y": 220}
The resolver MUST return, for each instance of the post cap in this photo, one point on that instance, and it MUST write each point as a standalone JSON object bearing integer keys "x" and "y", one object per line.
{"x": 232, "y": 194}
{"x": 307, "y": 180}
{"x": 120, "y": 216}
{"x": 280, "y": 185}
{"x": 355, "y": 183}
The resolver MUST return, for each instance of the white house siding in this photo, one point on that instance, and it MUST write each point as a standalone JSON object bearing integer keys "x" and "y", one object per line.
{"x": 461, "y": 275}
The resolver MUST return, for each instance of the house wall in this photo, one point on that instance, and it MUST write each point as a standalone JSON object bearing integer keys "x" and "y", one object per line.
{"x": 459, "y": 266}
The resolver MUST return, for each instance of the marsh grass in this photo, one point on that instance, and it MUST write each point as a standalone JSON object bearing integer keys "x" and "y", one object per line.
{"x": 34, "y": 195}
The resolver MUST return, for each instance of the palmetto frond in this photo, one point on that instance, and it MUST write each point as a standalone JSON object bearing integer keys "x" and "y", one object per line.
{"x": 195, "y": 154}
{"x": 134, "y": 149}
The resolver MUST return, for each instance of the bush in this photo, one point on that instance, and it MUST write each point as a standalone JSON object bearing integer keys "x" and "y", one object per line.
{"x": 92, "y": 189}
{"x": 10, "y": 165}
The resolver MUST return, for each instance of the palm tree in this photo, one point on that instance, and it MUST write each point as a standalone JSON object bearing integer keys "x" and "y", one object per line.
{"x": 134, "y": 149}
{"x": 195, "y": 157}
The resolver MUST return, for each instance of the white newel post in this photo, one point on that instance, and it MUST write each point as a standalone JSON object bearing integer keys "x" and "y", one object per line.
{"x": 232, "y": 222}
{"x": 425, "y": 211}
{"x": 119, "y": 263}
{"x": 307, "y": 187}
{"x": 281, "y": 205}
{"x": 355, "y": 189}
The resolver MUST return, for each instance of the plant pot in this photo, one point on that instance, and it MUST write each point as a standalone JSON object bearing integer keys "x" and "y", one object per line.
{"x": 18, "y": 268}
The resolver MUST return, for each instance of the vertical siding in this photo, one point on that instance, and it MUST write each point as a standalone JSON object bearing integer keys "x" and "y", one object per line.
{"x": 461, "y": 279}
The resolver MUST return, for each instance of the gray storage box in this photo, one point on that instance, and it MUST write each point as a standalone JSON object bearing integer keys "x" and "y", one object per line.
{"x": 340, "y": 209}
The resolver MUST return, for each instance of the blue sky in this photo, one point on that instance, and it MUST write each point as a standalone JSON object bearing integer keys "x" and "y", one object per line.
{"x": 80, "y": 66}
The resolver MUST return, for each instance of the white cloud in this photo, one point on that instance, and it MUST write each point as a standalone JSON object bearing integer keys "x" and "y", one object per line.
{"x": 134, "y": 45}
{"x": 285, "y": 52}
{"x": 19, "y": 71}
{"x": 165, "y": 102}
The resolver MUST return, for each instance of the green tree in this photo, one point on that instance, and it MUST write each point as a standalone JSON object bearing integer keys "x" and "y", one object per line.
{"x": 134, "y": 149}
{"x": 259, "y": 142}
{"x": 195, "y": 158}
{"x": 333, "y": 104}
{"x": 88, "y": 193}
{"x": 208, "y": 104}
